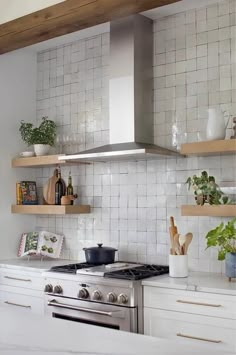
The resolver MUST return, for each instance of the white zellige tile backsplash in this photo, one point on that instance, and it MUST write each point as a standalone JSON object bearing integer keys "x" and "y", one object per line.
{"x": 194, "y": 68}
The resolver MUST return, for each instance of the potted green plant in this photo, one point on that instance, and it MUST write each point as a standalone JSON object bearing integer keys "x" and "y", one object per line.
{"x": 41, "y": 137}
{"x": 206, "y": 190}
{"x": 224, "y": 237}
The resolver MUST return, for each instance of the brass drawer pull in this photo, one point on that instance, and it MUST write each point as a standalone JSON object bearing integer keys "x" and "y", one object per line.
{"x": 17, "y": 279}
{"x": 17, "y": 304}
{"x": 200, "y": 303}
{"x": 198, "y": 338}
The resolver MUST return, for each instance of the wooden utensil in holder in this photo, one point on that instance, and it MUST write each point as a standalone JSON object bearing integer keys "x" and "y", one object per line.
{"x": 173, "y": 231}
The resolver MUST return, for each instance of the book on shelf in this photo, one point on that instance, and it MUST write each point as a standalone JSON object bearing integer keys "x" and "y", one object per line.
{"x": 41, "y": 243}
{"x": 26, "y": 193}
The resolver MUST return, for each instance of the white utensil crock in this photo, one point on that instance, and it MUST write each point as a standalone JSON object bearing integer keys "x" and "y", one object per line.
{"x": 41, "y": 149}
{"x": 178, "y": 265}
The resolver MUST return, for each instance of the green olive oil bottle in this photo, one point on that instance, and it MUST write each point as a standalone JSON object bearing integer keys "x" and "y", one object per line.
{"x": 69, "y": 190}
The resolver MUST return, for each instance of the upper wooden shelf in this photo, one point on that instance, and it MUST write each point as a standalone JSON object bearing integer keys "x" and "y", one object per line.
{"x": 227, "y": 146}
{"x": 45, "y": 160}
{"x": 209, "y": 210}
{"x": 37, "y": 161}
{"x": 50, "y": 209}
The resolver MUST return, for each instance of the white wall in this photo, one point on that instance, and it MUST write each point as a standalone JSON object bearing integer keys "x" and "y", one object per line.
{"x": 194, "y": 68}
{"x": 11, "y": 9}
{"x": 17, "y": 102}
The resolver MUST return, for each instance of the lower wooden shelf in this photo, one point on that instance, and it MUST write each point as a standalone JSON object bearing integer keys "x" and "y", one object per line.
{"x": 50, "y": 209}
{"x": 209, "y": 210}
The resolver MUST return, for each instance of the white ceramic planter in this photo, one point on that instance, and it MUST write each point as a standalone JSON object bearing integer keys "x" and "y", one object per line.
{"x": 178, "y": 265}
{"x": 41, "y": 149}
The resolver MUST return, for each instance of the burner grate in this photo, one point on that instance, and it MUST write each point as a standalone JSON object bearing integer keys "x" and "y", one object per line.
{"x": 70, "y": 268}
{"x": 139, "y": 272}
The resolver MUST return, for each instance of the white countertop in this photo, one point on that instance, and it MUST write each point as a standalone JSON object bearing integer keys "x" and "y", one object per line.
{"x": 36, "y": 265}
{"x": 44, "y": 336}
{"x": 197, "y": 281}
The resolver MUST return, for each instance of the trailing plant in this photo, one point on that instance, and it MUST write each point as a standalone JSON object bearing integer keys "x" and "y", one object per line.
{"x": 206, "y": 190}
{"x": 44, "y": 134}
{"x": 223, "y": 237}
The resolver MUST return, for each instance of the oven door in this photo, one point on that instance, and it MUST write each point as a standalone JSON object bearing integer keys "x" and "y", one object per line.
{"x": 104, "y": 315}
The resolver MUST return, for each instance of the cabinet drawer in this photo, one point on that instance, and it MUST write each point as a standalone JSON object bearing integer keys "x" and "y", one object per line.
{"x": 22, "y": 303}
{"x": 190, "y": 328}
{"x": 21, "y": 279}
{"x": 209, "y": 304}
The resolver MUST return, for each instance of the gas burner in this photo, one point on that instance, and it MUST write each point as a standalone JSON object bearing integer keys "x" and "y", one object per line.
{"x": 139, "y": 272}
{"x": 70, "y": 268}
{"x": 125, "y": 271}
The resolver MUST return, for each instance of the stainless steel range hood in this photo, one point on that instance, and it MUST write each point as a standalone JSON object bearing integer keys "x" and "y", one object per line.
{"x": 130, "y": 95}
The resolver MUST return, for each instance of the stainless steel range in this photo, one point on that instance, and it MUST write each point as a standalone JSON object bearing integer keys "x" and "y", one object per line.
{"x": 106, "y": 295}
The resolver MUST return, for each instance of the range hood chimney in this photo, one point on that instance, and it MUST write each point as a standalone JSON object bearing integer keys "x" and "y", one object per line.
{"x": 130, "y": 95}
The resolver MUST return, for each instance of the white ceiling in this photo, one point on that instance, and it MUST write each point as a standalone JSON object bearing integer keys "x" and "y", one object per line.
{"x": 159, "y": 12}
{"x": 12, "y": 9}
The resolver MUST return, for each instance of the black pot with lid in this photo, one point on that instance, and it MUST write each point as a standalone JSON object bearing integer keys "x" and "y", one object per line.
{"x": 100, "y": 255}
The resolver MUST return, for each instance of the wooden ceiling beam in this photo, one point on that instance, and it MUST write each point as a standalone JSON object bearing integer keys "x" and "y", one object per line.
{"x": 66, "y": 17}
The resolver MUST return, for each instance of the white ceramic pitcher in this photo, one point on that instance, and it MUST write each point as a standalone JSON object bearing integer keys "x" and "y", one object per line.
{"x": 217, "y": 124}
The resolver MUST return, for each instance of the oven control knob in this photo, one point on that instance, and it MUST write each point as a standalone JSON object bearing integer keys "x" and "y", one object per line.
{"x": 122, "y": 298}
{"x": 111, "y": 297}
{"x": 48, "y": 288}
{"x": 83, "y": 293}
{"x": 57, "y": 289}
{"x": 97, "y": 295}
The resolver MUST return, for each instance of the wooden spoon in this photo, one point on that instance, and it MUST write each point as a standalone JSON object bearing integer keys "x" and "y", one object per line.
{"x": 176, "y": 244}
{"x": 173, "y": 230}
{"x": 182, "y": 240}
{"x": 189, "y": 237}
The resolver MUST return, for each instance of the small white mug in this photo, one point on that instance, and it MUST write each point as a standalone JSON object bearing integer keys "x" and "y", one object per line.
{"x": 178, "y": 265}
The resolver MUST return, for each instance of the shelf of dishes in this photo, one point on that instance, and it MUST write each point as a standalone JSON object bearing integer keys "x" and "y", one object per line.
{"x": 50, "y": 209}
{"x": 209, "y": 210}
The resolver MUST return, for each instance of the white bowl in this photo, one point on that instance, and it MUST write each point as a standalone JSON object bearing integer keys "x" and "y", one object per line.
{"x": 27, "y": 154}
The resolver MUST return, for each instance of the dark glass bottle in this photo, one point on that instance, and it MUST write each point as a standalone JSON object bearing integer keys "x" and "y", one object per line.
{"x": 59, "y": 189}
{"x": 69, "y": 190}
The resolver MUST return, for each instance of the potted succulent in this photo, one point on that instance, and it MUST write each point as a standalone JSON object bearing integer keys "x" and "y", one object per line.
{"x": 224, "y": 237}
{"x": 206, "y": 190}
{"x": 41, "y": 137}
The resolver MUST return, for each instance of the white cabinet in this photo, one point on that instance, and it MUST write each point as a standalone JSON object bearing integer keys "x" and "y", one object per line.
{"x": 23, "y": 303}
{"x": 21, "y": 278}
{"x": 190, "y": 316}
{"x": 207, "y": 304}
{"x": 21, "y": 290}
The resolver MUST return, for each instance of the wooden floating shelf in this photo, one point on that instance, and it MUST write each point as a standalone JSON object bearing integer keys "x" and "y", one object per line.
{"x": 227, "y": 146}
{"x": 41, "y": 161}
{"x": 50, "y": 209}
{"x": 209, "y": 210}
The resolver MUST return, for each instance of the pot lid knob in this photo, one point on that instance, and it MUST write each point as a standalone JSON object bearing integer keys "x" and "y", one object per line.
{"x": 100, "y": 245}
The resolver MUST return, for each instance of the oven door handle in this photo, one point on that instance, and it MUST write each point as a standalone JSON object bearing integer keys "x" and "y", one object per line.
{"x": 116, "y": 314}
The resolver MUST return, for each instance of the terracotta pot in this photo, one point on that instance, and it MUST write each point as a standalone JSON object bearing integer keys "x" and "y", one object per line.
{"x": 200, "y": 199}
